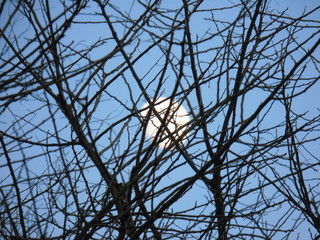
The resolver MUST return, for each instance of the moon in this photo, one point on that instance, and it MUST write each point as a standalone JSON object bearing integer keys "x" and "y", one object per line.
{"x": 175, "y": 121}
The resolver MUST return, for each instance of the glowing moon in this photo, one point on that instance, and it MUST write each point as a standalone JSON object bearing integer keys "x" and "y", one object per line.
{"x": 175, "y": 121}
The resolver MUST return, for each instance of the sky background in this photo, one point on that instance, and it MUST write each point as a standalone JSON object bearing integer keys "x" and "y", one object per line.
{"x": 110, "y": 110}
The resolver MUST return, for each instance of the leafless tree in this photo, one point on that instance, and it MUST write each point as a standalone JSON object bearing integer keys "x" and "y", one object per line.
{"x": 75, "y": 161}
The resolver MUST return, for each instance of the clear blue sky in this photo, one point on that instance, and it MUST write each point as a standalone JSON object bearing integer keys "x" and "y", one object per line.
{"x": 84, "y": 35}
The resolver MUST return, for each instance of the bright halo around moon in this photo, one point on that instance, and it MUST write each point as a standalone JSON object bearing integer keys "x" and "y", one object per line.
{"x": 175, "y": 121}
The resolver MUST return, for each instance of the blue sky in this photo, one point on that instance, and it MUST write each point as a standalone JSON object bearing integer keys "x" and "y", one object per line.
{"x": 116, "y": 102}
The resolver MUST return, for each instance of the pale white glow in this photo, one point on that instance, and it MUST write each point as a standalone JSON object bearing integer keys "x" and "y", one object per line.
{"x": 177, "y": 118}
